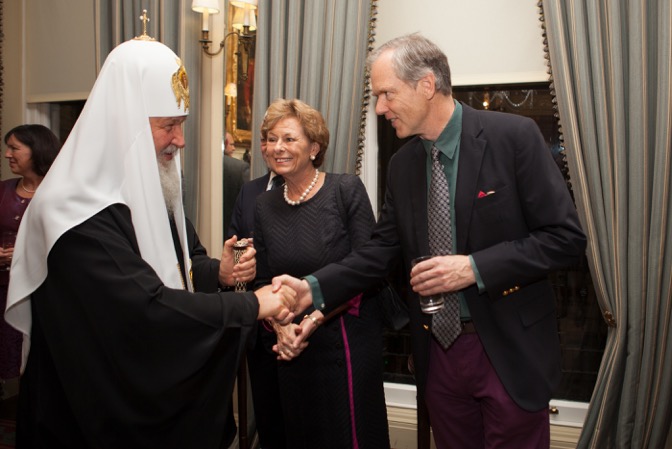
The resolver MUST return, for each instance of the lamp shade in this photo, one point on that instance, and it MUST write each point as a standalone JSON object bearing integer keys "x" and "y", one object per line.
{"x": 202, "y": 6}
{"x": 205, "y": 7}
{"x": 244, "y": 17}
{"x": 250, "y": 4}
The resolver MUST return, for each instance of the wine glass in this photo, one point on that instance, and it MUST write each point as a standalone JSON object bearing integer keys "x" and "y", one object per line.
{"x": 433, "y": 303}
{"x": 7, "y": 241}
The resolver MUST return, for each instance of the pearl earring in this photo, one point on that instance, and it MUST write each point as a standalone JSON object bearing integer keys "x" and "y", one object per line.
{"x": 312, "y": 157}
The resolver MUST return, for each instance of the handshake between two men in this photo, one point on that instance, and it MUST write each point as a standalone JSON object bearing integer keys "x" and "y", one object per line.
{"x": 276, "y": 302}
{"x": 287, "y": 297}
{"x": 449, "y": 273}
{"x": 279, "y": 302}
{"x": 292, "y": 337}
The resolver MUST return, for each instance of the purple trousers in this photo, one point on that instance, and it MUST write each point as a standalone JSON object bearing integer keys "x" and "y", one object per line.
{"x": 469, "y": 407}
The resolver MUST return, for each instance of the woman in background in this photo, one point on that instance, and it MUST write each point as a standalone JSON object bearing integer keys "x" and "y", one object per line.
{"x": 332, "y": 394}
{"x": 31, "y": 149}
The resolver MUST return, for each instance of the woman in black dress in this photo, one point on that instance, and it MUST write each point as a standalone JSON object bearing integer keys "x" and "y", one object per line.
{"x": 332, "y": 394}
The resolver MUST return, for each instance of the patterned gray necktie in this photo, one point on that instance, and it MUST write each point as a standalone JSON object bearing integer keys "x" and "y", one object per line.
{"x": 446, "y": 324}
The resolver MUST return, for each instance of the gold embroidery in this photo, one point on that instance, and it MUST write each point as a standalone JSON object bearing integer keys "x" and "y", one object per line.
{"x": 180, "y": 84}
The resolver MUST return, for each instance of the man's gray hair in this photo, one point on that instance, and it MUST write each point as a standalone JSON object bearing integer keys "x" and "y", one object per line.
{"x": 413, "y": 57}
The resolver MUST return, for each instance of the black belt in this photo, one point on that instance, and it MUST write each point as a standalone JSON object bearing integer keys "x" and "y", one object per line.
{"x": 468, "y": 327}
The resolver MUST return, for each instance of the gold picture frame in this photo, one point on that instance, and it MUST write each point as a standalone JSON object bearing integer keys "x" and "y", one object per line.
{"x": 239, "y": 71}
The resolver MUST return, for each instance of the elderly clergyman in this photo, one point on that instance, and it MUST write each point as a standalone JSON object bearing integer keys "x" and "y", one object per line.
{"x": 130, "y": 340}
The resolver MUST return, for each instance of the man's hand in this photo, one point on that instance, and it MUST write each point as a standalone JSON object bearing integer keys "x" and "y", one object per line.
{"x": 442, "y": 274}
{"x": 277, "y": 303}
{"x": 244, "y": 271}
{"x": 300, "y": 286}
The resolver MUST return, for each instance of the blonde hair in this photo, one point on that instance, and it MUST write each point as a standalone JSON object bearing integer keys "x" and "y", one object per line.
{"x": 312, "y": 122}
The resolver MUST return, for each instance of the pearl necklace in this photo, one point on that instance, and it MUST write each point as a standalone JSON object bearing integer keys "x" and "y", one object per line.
{"x": 24, "y": 187}
{"x": 305, "y": 192}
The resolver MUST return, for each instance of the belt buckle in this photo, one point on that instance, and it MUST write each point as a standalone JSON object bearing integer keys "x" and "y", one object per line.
{"x": 467, "y": 327}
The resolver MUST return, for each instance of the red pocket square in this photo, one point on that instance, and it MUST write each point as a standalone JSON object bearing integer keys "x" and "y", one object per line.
{"x": 483, "y": 194}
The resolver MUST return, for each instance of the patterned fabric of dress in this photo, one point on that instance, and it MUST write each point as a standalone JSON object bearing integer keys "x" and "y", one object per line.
{"x": 315, "y": 388}
{"x": 12, "y": 208}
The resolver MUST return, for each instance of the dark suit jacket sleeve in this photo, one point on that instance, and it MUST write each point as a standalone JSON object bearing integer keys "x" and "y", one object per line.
{"x": 365, "y": 267}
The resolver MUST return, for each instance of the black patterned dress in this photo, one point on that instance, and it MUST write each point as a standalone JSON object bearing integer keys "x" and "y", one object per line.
{"x": 332, "y": 394}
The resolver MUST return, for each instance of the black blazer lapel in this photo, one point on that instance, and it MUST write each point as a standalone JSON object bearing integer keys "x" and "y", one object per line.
{"x": 418, "y": 196}
{"x": 472, "y": 149}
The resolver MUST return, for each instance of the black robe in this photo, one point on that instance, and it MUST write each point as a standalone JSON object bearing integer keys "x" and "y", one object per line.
{"x": 117, "y": 359}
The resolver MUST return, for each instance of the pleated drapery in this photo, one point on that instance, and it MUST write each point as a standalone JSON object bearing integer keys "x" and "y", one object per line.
{"x": 611, "y": 66}
{"x": 315, "y": 51}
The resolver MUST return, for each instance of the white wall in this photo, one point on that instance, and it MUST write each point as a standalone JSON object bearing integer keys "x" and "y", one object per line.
{"x": 487, "y": 41}
{"x": 60, "y": 63}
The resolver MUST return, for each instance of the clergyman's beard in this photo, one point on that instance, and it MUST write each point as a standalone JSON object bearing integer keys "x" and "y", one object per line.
{"x": 170, "y": 181}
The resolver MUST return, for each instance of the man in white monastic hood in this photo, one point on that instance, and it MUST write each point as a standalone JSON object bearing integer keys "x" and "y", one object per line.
{"x": 129, "y": 340}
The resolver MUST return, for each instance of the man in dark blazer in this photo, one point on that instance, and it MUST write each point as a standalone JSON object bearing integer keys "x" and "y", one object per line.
{"x": 261, "y": 360}
{"x": 242, "y": 218}
{"x": 513, "y": 222}
{"x": 234, "y": 174}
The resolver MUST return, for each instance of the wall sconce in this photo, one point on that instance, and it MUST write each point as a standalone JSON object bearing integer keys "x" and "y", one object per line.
{"x": 244, "y": 19}
{"x": 244, "y": 25}
{"x": 205, "y": 7}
